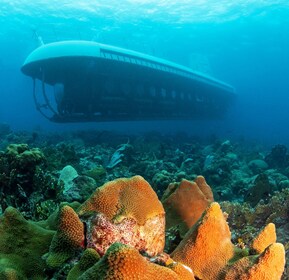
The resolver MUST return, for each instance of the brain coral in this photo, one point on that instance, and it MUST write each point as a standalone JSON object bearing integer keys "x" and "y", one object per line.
{"x": 127, "y": 211}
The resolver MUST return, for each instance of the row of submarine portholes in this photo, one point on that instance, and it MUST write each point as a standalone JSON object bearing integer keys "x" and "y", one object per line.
{"x": 131, "y": 59}
{"x": 151, "y": 91}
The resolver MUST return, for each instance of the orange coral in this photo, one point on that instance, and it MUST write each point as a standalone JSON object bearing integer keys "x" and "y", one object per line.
{"x": 208, "y": 251}
{"x": 126, "y": 211}
{"x": 207, "y": 246}
{"x": 68, "y": 238}
{"x": 137, "y": 219}
{"x": 265, "y": 238}
{"x": 184, "y": 272}
{"x": 187, "y": 202}
{"x": 205, "y": 188}
{"x": 124, "y": 263}
{"x": 123, "y": 198}
{"x": 71, "y": 226}
{"x": 267, "y": 266}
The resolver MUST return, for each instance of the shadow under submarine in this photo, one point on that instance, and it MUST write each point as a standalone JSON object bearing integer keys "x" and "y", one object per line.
{"x": 82, "y": 81}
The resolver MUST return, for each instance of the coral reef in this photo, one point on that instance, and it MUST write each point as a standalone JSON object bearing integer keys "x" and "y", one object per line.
{"x": 122, "y": 220}
{"x": 246, "y": 220}
{"x": 260, "y": 189}
{"x": 22, "y": 178}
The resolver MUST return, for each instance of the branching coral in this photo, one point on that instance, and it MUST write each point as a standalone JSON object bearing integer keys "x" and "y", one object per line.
{"x": 245, "y": 220}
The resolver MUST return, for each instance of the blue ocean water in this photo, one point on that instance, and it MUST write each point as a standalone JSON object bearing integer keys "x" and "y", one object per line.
{"x": 244, "y": 43}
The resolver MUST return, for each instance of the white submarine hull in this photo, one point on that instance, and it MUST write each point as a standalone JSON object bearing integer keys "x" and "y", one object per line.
{"x": 96, "y": 82}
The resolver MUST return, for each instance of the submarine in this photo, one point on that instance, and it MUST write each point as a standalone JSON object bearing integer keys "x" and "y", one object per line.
{"x": 84, "y": 81}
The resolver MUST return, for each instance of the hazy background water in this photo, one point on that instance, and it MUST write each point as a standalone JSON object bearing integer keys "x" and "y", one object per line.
{"x": 244, "y": 43}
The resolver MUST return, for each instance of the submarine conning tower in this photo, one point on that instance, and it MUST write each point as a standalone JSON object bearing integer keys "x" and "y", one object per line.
{"x": 81, "y": 81}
